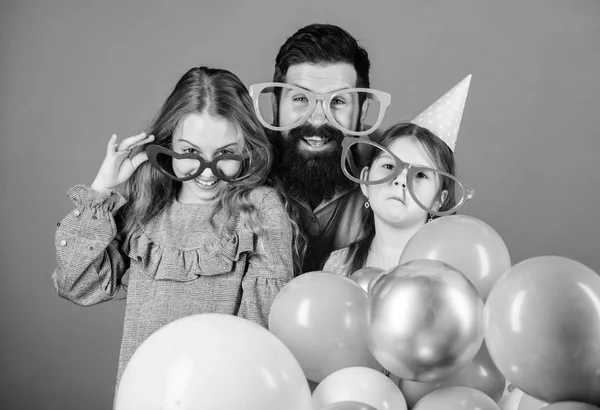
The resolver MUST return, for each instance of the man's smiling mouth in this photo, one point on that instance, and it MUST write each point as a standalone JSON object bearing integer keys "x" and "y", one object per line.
{"x": 316, "y": 142}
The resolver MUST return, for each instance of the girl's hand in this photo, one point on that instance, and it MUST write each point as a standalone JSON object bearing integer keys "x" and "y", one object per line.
{"x": 118, "y": 166}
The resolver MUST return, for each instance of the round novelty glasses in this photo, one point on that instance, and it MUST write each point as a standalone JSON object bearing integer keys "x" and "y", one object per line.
{"x": 226, "y": 167}
{"x": 422, "y": 183}
{"x": 341, "y": 107}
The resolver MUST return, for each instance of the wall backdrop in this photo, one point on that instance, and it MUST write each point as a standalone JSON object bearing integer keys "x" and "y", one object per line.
{"x": 74, "y": 72}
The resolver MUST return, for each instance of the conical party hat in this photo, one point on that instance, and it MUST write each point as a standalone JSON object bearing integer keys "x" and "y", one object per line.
{"x": 443, "y": 116}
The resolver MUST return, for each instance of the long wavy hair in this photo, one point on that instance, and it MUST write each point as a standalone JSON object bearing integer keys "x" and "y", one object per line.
{"x": 221, "y": 94}
{"x": 443, "y": 159}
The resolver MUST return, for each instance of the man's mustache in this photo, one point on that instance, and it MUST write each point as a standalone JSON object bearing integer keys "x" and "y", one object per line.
{"x": 324, "y": 131}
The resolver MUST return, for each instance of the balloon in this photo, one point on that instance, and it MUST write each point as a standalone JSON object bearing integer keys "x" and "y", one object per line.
{"x": 512, "y": 403}
{"x": 543, "y": 329}
{"x": 365, "y": 275}
{"x": 480, "y": 374}
{"x": 469, "y": 245}
{"x": 319, "y": 317}
{"x": 349, "y": 405}
{"x": 521, "y": 401}
{"x": 359, "y": 384}
{"x": 312, "y": 386}
{"x": 213, "y": 361}
{"x": 507, "y": 391}
{"x": 424, "y": 321}
{"x": 376, "y": 278}
{"x": 570, "y": 405}
{"x": 456, "y": 398}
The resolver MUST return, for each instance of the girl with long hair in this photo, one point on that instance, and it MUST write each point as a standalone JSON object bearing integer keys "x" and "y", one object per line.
{"x": 186, "y": 211}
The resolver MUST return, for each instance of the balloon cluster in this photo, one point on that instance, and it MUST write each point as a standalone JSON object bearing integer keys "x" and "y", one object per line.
{"x": 450, "y": 327}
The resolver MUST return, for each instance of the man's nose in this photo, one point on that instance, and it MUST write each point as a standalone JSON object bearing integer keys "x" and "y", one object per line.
{"x": 318, "y": 117}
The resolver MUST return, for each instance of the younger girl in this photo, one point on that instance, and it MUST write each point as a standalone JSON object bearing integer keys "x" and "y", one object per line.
{"x": 408, "y": 180}
{"x": 194, "y": 227}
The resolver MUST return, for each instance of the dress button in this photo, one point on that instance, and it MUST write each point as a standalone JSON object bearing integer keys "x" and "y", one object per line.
{"x": 313, "y": 219}
{"x": 76, "y": 212}
{"x": 63, "y": 242}
{"x": 139, "y": 258}
{"x": 94, "y": 217}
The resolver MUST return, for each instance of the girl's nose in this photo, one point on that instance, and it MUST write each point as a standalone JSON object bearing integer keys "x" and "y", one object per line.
{"x": 207, "y": 173}
{"x": 401, "y": 179}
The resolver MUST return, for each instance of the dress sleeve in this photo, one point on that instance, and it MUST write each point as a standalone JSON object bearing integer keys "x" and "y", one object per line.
{"x": 89, "y": 260}
{"x": 270, "y": 266}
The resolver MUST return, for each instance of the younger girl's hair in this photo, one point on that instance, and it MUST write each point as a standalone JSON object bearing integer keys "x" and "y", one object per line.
{"x": 443, "y": 159}
{"x": 218, "y": 93}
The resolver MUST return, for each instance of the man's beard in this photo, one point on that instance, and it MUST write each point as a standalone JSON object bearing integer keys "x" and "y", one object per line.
{"x": 311, "y": 177}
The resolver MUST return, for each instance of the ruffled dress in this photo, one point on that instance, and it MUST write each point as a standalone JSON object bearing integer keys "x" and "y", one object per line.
{"x": 177, "y": 264}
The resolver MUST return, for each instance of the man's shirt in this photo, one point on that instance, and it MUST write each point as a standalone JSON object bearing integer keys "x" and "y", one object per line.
{"x": 332, "y": 225}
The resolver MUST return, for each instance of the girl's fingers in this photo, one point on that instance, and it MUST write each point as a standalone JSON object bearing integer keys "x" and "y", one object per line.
{"x": 112, "y": 144}
{"x": 139, "y": 159}
{"x": 127, "y": 143}
{"x": 146, "y": 140}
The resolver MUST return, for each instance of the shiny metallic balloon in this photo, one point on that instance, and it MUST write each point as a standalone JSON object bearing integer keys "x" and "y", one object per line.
{"x": 480, "y": 374}
{"x": 364, "y": 276}
{"x": 376, "y": 278}
{"x": 424, "y": 321}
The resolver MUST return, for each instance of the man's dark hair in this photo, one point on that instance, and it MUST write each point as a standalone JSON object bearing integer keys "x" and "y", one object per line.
{"x": 323, "y": 44}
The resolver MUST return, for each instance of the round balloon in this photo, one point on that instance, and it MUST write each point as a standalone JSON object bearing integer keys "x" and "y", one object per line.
{"x": 468, "y": 244}
{"x": 480, "y": 374}
{"x": 212, "y": 361}
{"x": 359, "y": 384}
{"x": 424, "y": 321}
{"x": 521, "y": 401}
{"x": 364, "y": 276}
{"x": 570, "y": 405}
{"x": 456, "y": 398}
{"x": 319, "y": 317}
{"x": 543, "y": 329}
{"x": 373, "y": 281}
{"x": 349, "y": 405}
{"x": 507, "y": 392}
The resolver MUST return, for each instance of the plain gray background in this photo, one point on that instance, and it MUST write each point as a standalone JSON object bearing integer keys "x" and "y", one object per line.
{"x": 74, "y": 72}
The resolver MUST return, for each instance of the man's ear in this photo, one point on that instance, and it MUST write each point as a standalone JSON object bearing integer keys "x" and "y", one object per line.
{"x": 275, "y": 105}
{"x": 364, "y": 175}
{"x": 363, "y": 114}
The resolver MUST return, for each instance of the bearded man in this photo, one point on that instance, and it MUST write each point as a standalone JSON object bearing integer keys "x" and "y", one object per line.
{"x": 319, "y": 95}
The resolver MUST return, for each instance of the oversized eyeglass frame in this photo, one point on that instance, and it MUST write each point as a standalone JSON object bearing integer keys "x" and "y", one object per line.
{"x": 411, "y": 170}
{"x": 325, "y": 99}
{"x": 153, "y": 151}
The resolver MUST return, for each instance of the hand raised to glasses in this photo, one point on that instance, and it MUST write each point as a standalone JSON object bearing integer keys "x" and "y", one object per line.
{"x": 118, "y": 166}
